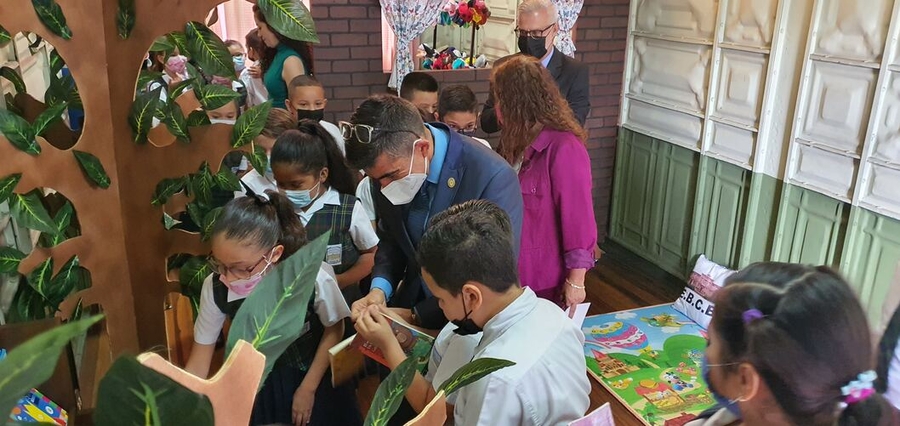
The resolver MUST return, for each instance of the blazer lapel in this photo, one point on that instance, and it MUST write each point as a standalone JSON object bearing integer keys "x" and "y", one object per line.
{"x": 451, "y": 176}
{"x": 556, "y": 64}
{"x": 395, "y": 219}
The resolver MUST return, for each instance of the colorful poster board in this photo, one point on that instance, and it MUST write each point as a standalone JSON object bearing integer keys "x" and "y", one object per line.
{"x": 650, "y": 359}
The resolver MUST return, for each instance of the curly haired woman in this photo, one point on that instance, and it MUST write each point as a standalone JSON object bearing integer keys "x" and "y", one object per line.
{"x": 544, "y": 141}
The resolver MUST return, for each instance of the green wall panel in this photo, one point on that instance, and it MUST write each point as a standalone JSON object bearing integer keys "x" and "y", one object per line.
{"x": 762, "y": 214}
{"x": 871, "y": 258}
{"x": 672, "y": 220}
{"x": 634, "y": 187}
{"x": 722, "y": 195}
{"x": 811, "y": 228}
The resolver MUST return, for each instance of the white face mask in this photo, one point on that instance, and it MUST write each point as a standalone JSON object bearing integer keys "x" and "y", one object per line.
{"x": 400, "y": 192}
{"x": 222, "y": 121}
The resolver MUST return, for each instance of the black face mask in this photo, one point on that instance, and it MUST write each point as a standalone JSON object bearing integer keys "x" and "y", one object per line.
{"x": 466, "y": 326}
{"x": 536, "y": 47}
{"x": 311, "y": 114}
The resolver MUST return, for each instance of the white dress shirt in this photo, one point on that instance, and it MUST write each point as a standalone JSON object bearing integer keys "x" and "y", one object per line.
{"x": 893, "y": 379}
{"x": 361, "y": 231}
{"x": 450, "y": 352}
{"x": 329, "y": 305}
{"x": 547, "y": 386}
{"x": 256, "y": 89}
{"x": 364, "y": 193}
{"x": 335, "y": 134}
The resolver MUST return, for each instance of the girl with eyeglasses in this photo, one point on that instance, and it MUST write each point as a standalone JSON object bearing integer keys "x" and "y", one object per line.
{"x": 253, "y": 234}
{"x": 311, "y": 172}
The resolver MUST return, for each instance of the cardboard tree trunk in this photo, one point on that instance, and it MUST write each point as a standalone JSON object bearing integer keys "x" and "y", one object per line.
{"x": 122, "y": 243}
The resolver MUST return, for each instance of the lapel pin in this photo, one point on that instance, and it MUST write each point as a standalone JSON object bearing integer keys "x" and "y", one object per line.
{"x": 451, "y": 182}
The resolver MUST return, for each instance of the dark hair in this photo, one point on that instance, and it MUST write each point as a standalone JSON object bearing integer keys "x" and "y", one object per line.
{"x": 812, "y": 340}
{"x": 311, "y": 148}
{"x": 278, "y": 121}
{"x": 156, "y": 64}
{"x": 398, "y": 123}
{"x": 529, "y": 100}
{"x": 456, "y": 98}
{"x": 263, "y": 221}
{"x": 304, "y": 81}
{"x": 231, "y": 43}
{"x": 254, "y": 41}
{"x": 472, "y": 241}
{"x": 417, "y": 82}
{"x": 267, "y": 55}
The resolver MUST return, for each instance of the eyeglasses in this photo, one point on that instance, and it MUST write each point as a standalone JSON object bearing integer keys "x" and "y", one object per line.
{"x": 469, "y": 128}
{"x": 364, "y": 132}
{"x": 237, "y": 273}
{"x": 533, "y": 33}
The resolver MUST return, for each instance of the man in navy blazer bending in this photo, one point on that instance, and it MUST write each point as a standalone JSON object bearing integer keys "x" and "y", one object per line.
{"x": 417, "y": 171}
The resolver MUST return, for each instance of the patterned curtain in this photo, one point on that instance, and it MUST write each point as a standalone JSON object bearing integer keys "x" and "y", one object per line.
{"x": 408, "y": 19}
{"x": 568, "y": 13}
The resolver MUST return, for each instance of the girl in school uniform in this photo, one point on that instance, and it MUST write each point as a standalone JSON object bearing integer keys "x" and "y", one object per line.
{"x": 311, "y": 171}
{"x": 249, "y": 239}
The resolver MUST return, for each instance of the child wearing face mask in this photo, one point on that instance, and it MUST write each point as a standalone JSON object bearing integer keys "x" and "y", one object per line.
{"x": 790, "y": 345}
{"x": 306, "y": 101}
{"x": 226, "y": 114}
{"x": 313, "y": 174}
{"x": 249, "y": 239}
{"x": 250, "y": 76}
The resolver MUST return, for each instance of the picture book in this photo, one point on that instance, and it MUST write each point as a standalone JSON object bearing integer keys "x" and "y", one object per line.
{"x": 347, "y": 357}
{"x": 650, "y": 359}
{"x": 37, "y": 408}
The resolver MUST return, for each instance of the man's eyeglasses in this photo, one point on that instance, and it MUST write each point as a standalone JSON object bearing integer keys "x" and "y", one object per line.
{"x": 364, "y": 133}
{"x": 236, "y": 273}
{"x": 533, "y": 33}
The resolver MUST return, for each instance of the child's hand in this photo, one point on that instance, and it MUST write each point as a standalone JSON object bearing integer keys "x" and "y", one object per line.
{"x": 255, "y": 71}
{"x": 375, "y": 328}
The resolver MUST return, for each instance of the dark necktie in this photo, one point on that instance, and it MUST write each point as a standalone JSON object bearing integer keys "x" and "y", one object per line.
{"x": 419, "y": 210}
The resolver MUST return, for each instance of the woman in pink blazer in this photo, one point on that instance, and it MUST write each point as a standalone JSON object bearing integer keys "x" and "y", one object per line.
{"x": 542, "y": 139}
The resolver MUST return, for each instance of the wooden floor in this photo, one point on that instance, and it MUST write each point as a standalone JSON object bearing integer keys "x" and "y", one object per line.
{"x": 621, "y": 280}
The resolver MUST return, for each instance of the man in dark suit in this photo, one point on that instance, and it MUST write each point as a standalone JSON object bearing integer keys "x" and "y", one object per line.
{"x": 417, "y": 171}
{"x": 536, "y": 28}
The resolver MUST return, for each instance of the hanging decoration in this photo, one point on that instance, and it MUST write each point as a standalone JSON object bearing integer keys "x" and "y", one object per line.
{"x": 464, "y": 14}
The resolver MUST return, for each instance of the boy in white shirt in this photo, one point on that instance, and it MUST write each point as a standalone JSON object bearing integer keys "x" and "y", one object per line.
{"x": 469, "y": 265}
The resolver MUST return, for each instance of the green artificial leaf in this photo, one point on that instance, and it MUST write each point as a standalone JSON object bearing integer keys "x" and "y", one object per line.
{"x": 141, "y": 116}
{"x": 202, "y": 185}
{"x": 213, "y": 96}
{"x": 27, "y": 305}
{"x": 62, "y": 285}
{"x": 10, "y": 259}
{"x": 125, "y": 18}
{"x": 5, "y": 38}
{"x": 205, "y": 47}
{"x": 226, "y": 180}
{"x": 290, "y": 18}
{"x": 93, "y": 168}
{"x": 52, "y": 17}
{"x": 11, "y": 105}
{"x": 8, "y": 184}
{"x": 78, "y": 311}
{"x": 133, "y": 394}
{"x": 169, "y": 222}
{"x": 175, "y": 121}
{"x": 179, "y": 88}
{"x": 14, "y": 78}
{"x": 63, "y": 89}
{"x": 209, "y": 221}
{"x": 162, "y": 44}
{"x": 197, "y": 212}
{"x": 146, "y": 77}
{"x": 18, "y": 132}
{"x": 250, "y": 124}
{"x": 167, "y": 188}
{"x": 198, "y": 118}
{"x": 33, "y": 362}
{"x": 258, "y": 159}
{"x": 62, "y": 220}
{"x": 46, "y": 119}
{"x": 472, "y": 372}
{"x": 29, "y": 211}
{"x": 179, "y": 40}
{"x": 268, "y": 317}
{"x": 56, "y": 62}
{"x": 391, "y": 392}
{"x": 39, "y": 278}
{"x": 196, "y": 75}
{"x": 193, "y": 273}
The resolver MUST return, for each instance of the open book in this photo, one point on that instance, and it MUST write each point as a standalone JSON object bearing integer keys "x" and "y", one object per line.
{"x": 347, "y": 357}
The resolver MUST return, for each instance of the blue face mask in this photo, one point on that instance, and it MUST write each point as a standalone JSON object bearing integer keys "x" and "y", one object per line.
{"x": 729, "y": 404}
{"x": 238, "y": 63}
{"x": 301, "y": 198}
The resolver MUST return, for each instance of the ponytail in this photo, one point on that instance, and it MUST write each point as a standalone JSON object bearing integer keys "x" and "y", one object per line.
{"x": 263, "y": 221}
{"x": 311, "y": 148}
{"x": 873, "y": 411}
